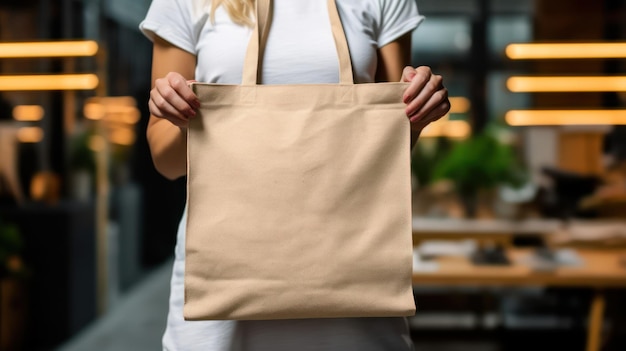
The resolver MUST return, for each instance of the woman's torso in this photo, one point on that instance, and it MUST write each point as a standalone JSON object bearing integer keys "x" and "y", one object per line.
{"x": 300, "y": 49}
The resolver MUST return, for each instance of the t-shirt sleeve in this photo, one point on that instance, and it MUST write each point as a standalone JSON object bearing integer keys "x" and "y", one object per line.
{"x": 398, "y": 17}
{"x": 172, "y": 21}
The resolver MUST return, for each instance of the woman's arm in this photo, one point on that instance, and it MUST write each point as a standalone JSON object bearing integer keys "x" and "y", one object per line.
{"x": 171, "y": 104}
{"x": 426, "y": 97}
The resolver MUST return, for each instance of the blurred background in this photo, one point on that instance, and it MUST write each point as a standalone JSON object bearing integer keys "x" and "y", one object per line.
{"x": 519, "y": 194}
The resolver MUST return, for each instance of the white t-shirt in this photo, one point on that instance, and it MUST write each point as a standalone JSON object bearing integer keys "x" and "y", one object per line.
{"x": 300, "y": 49}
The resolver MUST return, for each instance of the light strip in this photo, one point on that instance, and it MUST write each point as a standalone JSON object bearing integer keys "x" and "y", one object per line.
{"x": 28, "y": 113}
{"x": 566, "y": 84}
{"x": 122, "y": 136}
{"x": 49, "y": 49}
{"x": 565, "y": 117}
{"x": 446, "y": 128}
{"x": 565, "y": 50}
{"x": 49, "y": 82}
{"x": 115, "y": 109}
{"x": 30, "y": 134}
{"x": 459, "y": 104}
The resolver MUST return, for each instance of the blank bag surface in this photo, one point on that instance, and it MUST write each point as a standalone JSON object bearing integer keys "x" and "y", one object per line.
{"x": 298, "y": 197}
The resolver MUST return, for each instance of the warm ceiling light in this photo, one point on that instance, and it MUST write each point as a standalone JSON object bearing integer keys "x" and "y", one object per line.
{"x": 115, "y": 109}
{"x": 49, "y": 49}
{"x": 94, "y": 111}
{"x": 447, "y": 128}
{"x": 566, "y": 84}
{"x": 459, "y": 104}
{"x": 30, "y": 134}
{"x": 131, "y": 115}
{"x": 565, "y": 50}
{"x": 122, "y": 136}
{"x": 113, "y": 100}
{"x": 49, "y": 82}
{"x": 28, "y": 113}
{"x": 565, "y": 117}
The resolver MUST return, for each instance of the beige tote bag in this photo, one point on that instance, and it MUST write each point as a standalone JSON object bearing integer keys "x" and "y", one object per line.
{"x": 298, "y": 197}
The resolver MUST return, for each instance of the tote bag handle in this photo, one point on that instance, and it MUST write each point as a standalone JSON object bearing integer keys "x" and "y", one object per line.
{"x": 256, "y": 46}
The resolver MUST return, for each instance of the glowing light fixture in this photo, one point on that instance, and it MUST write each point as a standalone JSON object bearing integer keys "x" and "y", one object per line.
{"x": 49, "y": 49}
{"x": 565, "y": 117}
{"x": 49, "y": 82}
{"x": 28, "y": 113}
{"x": 446, "y": 128}
{"x": 565, "y": 50}
{"x": 30, "y": 134}
{"x": 459, "y": 104}
{"x": 118, "y": 114}
{"x": 122, "y": 136}
{"x": 115, "y": 109}
{"x": 130, "y": 115}
{"x": 94, "y": 111}
{"x": 566, "y": 84}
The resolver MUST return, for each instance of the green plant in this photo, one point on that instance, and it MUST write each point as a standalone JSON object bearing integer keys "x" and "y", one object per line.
{"x": 81, "y": 157}
{"x": 481, "y": 162}
{"x": 10, "y": 250}
{"x": 425, "y": 157}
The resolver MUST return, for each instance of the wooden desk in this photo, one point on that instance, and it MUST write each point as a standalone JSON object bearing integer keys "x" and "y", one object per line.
{"x": 487, "y": 230}
{"x": 601, "y": 270}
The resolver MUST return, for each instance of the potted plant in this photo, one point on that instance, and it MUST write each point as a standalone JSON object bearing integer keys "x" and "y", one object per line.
{"x": 82, "y": 164}
{"x": 477, "y": 165}
{"x": 430, "y": 198}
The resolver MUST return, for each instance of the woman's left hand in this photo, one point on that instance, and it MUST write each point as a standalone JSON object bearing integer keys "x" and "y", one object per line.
{"x": 426, "y": 98}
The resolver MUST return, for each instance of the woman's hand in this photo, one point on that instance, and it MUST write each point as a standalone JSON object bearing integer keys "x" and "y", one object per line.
{"x": 426, "y": 98}
{"x": 171, "y": 98}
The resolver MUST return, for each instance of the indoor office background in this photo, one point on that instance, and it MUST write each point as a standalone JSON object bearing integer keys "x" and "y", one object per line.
{"x": 519, "y": 195}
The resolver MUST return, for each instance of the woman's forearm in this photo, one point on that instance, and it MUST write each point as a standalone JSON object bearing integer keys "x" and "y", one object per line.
{"x": 171, "y": 105}
{"x": 168, "y": 147}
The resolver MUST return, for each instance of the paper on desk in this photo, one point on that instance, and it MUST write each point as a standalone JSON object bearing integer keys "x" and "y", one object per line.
{"x": 592, "y": 233}
{"x": 423, "y": 265}
{"x": 558, "y": 258}
{"x": 568, "y": 257}
{"x": 435, "y": 248}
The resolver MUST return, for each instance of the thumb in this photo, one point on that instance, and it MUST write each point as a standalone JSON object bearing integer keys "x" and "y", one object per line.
{"x": 408, "y": 74}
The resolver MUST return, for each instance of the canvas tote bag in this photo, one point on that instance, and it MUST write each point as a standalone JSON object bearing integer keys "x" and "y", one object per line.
{"x": 298, "y": 196}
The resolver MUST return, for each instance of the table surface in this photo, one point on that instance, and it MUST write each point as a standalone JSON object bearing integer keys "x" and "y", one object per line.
{"x": 599, "y": 269}
{"x": 428, "y": 225}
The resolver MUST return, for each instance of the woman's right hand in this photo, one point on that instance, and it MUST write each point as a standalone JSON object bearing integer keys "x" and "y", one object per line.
{"x": 171, "y": 98}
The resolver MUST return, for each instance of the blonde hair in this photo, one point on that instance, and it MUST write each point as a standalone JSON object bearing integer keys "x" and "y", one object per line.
{"x": 240, "y": 11}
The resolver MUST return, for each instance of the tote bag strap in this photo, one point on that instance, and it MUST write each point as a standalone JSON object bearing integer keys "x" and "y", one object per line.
{"x": 256, "y": 46}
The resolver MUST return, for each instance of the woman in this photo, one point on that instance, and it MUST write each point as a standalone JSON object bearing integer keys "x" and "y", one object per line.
{"x": 206, "y": 41}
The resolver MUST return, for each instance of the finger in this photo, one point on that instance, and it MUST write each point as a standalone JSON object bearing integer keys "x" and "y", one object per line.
{"x": 183, "y": 88}
{"x": 172, "y": 98}
{"x": 418, "y": 81}
{"x": 162, "y": 108}
{"x": 433, "y": 85}
{"x": 436, "y": 107}
{"x": 175, "y": 121}
{"x": 432, "y": 116}
{"x": 408, "y": 73}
